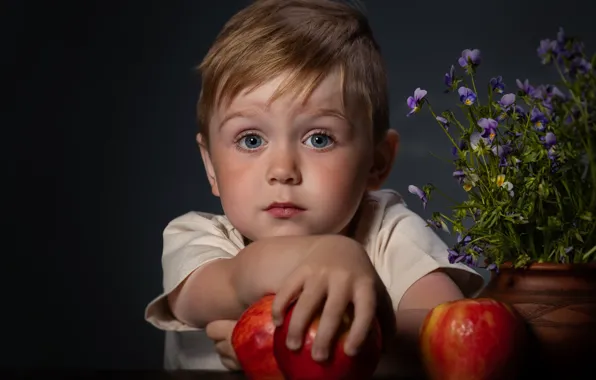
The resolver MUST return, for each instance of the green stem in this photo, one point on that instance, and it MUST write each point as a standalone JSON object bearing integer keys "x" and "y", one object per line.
{"x": 444, "y": 195}
{"x": 444, "y": 129}
{"x": 474, "y": 88}
{"x": 447, "y": 218}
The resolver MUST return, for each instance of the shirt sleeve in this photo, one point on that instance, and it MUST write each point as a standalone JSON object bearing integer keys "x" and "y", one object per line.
{"x": 189, "y": 242}
{"x": 407, "y": 250}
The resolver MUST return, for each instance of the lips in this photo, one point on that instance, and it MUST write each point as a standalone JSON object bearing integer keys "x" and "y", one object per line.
{"x": 284, "y": 210}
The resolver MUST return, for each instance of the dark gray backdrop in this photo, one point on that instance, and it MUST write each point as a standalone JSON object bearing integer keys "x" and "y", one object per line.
{"x": 101, "y": 150}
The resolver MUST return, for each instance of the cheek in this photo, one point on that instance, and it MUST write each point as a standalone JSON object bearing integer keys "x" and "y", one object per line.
{"x": 233, "y": 175}
{"x": 344, "y": 173}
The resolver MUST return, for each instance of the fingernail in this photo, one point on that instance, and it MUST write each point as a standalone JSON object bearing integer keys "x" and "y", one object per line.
{"x": 319, "y": 354}
{"x": 292, "y": 344}
{"x": 350, "y": 351}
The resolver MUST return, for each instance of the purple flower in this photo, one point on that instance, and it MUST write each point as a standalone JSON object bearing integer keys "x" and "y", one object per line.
{"x": 506, "y": 101}
{"x": 553, "y": 91}
{"x": 418, "y": 192}
{"x": 562, "y": 48}
{"x": 579, "y": 65}
{"x": 463, "y": 241}
{"x": 520, "y": 112}
{"x": 546, "y": 50}
{"x": 539, "y": 92}
{"x": 525, "y": 86}
{"x": 476, "y": 140}
{"x": 452, "y": 255}
{"x": 450, "y": 77}
{"x": 550, "y": 139}
{"x": 502, "y": 151}
{"x": 497, "y": 84}
{"x": 461, "y": 145}
{"x": 493, "y": 267}
{"x": 459, "y": 175}
{"x": 490, "y": 128}
{"x": 538, "y": 119}
{"x": 470, "y": 58}
{"x": 466, "y": 96}
{"x": 414, "y": 102}
{"x": 444, "y": 122}
{"x": 437, "y": 224}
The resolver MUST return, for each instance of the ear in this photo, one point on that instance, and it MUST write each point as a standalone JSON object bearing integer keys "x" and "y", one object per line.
{"x": 208, "y": 164}
{"x": 384, "y": 157}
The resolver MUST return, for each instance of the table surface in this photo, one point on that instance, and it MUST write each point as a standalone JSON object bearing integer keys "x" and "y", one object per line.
{"x": 148, "y": 375}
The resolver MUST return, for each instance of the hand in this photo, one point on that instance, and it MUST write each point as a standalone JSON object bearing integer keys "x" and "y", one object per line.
{"x": 334, "y": 272}
{"x": 221, "y": 333}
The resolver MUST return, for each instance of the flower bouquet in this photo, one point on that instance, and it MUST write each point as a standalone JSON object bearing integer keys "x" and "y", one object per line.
{"x": 526, "y": 159}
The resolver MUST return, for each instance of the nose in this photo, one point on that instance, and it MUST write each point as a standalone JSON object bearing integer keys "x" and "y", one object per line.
{"x": 284, "y": 168}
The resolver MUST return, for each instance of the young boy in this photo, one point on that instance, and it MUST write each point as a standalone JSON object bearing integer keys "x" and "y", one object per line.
{"x": 296, "y": 143}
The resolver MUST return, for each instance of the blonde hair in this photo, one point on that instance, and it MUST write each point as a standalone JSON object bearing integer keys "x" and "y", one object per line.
{"x": 308, "y": 39}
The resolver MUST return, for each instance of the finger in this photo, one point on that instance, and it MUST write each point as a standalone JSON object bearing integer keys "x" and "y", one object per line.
{"x": 220, "y": 330}
{"x": 288, "y": 292}
{"x": 307, "y": 304}
{"x": 230, "y": 364}
{"x": 224, "y": 348}
{"x": 364, "y": 312}
{"x": 331, "y": 318}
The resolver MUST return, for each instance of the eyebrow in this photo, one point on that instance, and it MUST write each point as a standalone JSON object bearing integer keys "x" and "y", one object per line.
{"x": 314, "y": 114}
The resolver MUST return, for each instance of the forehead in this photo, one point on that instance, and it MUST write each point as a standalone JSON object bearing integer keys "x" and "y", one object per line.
{"x": 286, "y": 91}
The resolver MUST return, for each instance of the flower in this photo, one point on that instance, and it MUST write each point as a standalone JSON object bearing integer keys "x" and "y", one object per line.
{"x": 415, "y": 102}
{"x": 418, "y": 192}
{"x": 466, "y": 96}
{"x": 525, "y": 161}
{"x": 505, "y": 104}
{"x": 450, "y": 79}
{"x": 525, "y": 87}
{"x": 470, "y": 59}
{"x": 506, "y": 101}
{"x": 490, "y": 128}
{"x": 444, "y": 122}
{"x": 497, "y": 85}
{"x": 538, "y": 119}
{"x": 546, "y": 50}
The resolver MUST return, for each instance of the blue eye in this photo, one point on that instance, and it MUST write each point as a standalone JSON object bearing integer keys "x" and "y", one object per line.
{"x": 250, "y": 142}
{"x": 319, "y": 141}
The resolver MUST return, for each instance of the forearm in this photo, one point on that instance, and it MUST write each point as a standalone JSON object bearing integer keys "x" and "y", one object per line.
{"x": 264, "y": 265}
{"x": 207, "y": 295}
{"x": 224, "y": 288}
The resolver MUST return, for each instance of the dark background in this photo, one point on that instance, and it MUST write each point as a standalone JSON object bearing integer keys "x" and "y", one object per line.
{"x": 99, "y": 128}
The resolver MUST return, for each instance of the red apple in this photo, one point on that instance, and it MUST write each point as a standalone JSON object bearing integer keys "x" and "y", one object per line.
{"x": 252, "y": 339}
{"x": 472, "y": 339}
{"x": 299, "y": 365}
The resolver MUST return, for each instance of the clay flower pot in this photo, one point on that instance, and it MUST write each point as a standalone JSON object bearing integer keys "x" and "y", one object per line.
{"x": 558, "y": 302}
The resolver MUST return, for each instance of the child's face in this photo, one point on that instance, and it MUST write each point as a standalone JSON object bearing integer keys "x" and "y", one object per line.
{"x": 289, "y": 152}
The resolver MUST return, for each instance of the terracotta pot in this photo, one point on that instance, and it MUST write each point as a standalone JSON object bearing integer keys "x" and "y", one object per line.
{"x": 558, "y": 301}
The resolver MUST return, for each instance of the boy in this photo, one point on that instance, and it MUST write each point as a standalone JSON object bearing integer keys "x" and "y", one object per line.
{"x": 296, "y": 142}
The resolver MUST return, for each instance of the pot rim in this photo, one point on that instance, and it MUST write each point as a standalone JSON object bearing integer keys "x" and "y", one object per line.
{"x": 550, "y": 266}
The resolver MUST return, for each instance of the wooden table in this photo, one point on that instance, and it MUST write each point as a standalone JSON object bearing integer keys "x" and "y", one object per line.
{"x": 145, "y": 375}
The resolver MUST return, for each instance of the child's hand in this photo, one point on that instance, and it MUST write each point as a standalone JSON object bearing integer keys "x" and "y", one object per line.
{"x": 335, "y": 273}
{"x": 221, "y": 333}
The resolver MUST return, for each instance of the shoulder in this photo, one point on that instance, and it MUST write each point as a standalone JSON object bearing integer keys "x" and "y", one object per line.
{"x": 393, "y": 220}
{"x": 403, "y": 248}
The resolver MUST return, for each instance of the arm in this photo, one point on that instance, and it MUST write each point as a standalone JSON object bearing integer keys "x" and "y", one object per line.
{"x": 431, "y": 290}
{"x": 426, "y": 293}
{"x": 222, "y": 289}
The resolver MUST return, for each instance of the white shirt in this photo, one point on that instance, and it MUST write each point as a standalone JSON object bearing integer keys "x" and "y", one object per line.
{"x": 400, "y": 245}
